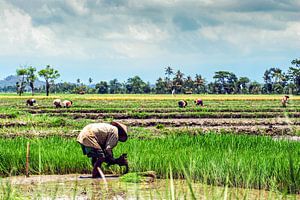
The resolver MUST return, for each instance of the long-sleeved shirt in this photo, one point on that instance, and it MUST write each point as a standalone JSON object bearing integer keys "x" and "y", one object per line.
{"x": 99, "y": 136}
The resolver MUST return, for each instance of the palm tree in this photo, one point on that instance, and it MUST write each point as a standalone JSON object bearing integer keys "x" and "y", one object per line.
{"x": 78, "y": 81}
{"x": 199, "y": 83}
{"x": 168, "y": 73}
{"x": 178, "y": 80}
{"x": 90, "y": 81}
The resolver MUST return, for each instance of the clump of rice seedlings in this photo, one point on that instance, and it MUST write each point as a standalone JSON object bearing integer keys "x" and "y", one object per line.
{"x": 131, "y": 178}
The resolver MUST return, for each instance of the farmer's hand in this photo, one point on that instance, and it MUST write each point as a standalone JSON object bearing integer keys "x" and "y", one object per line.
{"x": 122, "y": 160}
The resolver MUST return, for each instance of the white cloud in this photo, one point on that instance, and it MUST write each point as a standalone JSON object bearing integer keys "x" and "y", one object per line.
{"x": 18, "y": 36}
{"x": 250, "y": 40}
{"x": 78, "y": 6}
{"x": 89, "y": 29}
{"x": 147, "y": 33}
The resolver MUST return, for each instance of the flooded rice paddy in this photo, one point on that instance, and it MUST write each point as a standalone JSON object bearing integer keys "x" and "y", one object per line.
{"x": 75, "y": 186}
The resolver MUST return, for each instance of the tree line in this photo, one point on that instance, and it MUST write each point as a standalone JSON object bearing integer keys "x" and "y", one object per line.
{"x": 276, "y": 81}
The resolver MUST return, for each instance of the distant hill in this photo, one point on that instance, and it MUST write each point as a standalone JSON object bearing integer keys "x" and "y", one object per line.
{"x": 12, "y": 79}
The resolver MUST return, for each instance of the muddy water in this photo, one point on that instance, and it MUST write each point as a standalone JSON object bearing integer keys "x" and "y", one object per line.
{"x": 79, "y": 187}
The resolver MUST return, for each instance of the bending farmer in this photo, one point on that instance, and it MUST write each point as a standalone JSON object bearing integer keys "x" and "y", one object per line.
{"x": 97, "y": 141}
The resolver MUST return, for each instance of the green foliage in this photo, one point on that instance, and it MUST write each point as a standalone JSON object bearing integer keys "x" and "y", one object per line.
{"x": 246, "y": 161}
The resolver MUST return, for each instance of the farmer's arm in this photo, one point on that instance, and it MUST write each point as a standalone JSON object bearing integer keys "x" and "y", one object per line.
{"x": 110, "y": 144}
{"x": 121, "y": 161}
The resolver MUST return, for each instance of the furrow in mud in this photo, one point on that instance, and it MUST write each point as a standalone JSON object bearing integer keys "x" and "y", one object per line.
{"x": 136, "y": 131}
{"x": 211, "y": 122}
{"x": 159, "y": 110}
{"x": 173, "y": 115}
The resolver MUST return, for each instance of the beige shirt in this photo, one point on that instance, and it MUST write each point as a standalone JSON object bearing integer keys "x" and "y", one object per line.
{"x": 99, "y": 136}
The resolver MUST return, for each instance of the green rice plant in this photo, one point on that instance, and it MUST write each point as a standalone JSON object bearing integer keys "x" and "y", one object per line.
{"x": 239, "y": 161}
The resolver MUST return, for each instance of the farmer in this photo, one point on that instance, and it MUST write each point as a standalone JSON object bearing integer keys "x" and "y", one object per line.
{"x": 98, "y": 140}
{"x": 198, "y": 102}
{"x": 182, "y": 103}
{"x": 57, "y": 103}
{"x": 30, "y": 102}
{"x": 67, "y": 103}
{"x": 284, "y": 100}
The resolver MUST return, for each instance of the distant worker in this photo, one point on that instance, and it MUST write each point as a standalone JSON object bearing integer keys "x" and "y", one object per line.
{"x": 97, "y": 141}
{"x": 30, "y": 102}
{"x": 198, "y": 102}
{"x": 284, "y": 100}
{"x": 67, "y": 103}
{"x": 57, "y": 103}
{"x": 182, "y": 103}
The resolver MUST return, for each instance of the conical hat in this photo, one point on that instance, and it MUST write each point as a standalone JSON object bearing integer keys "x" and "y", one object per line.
{"x": 123, "y": 133}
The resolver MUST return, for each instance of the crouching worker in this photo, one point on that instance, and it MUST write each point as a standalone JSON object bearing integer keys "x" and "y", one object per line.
{"x": 67, "y": 103}
{"x": 198, "y": 102}
{"x": 98, "y": 140}
{"x": 182, "y": 103}
{"x": 285, "y": 100}
{"x": 57, "y": 103}
{"x": 30, "y": 102}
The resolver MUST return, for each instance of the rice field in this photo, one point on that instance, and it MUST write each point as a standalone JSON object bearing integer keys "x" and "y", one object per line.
{"x": 228, "y": 142}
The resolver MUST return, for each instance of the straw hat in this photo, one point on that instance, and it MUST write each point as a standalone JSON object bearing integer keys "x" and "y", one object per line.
{"x": 122, "y": 130}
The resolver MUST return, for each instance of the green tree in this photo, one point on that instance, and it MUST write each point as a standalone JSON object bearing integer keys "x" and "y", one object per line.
{"x": 243, "y": 85}
{"x": 102, "y": 87}
{"x": 254, "y": 88}
{"x": 268, "y": 81}
{"x": 294, "y": 74}
{"x": 213, "y": 88}
{"x": 161, "y": 86}
{"x": 188, "y": 85}
{"x": 115, "y": 87}
{"x": 49, "y": 74}
{"x": 31, "y": 78}
{"x": 66, "y": 88}
{"x": 21, "y": 84}
{"x": 147, "y": 88}
{"x": 275, "y": 81}
{"x": 226, "y": 82}
{"x": 135, "y": 85}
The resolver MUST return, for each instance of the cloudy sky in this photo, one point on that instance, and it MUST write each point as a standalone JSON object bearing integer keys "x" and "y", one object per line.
{"x": 106, "y": 39}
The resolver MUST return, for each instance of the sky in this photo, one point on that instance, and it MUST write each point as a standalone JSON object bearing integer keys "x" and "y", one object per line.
{"x": 107, "y": 39}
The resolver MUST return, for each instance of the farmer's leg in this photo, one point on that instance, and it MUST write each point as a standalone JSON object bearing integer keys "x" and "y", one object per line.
{"x": 98, "y": 158}
{"x": 98, "y": 163}
{"x": 94, "y": 160}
